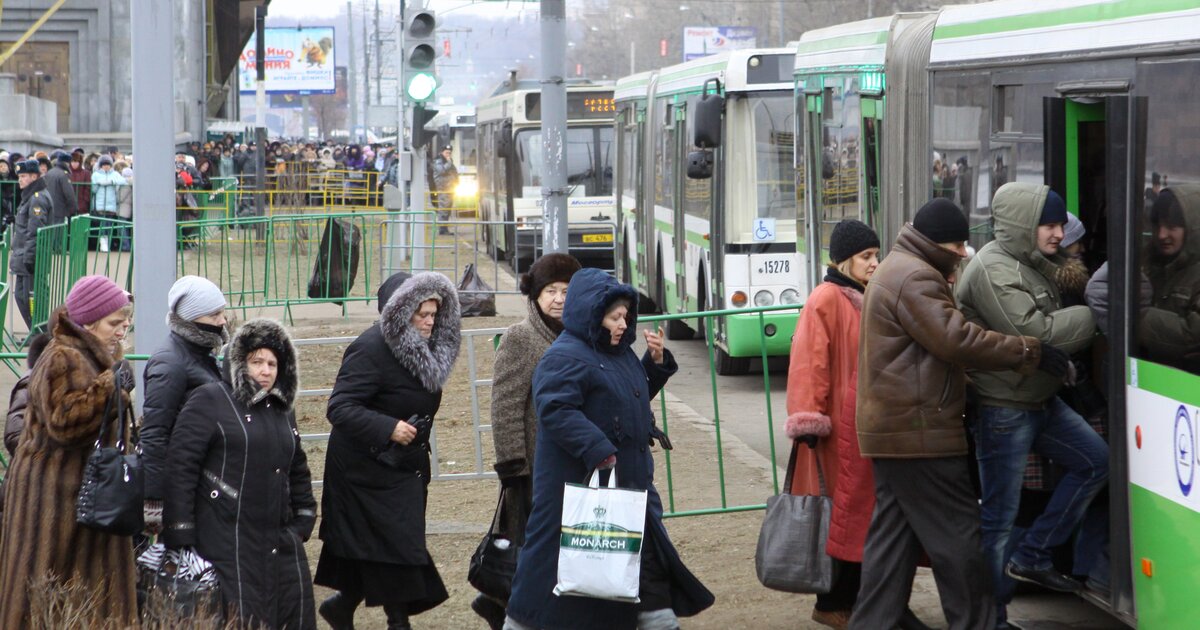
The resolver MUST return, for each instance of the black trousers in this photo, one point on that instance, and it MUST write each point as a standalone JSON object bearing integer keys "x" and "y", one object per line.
{"x": 924, "y": 503}
{"x": 847, "y": 578}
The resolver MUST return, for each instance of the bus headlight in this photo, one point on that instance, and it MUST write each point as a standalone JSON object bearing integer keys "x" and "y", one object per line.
{"x": 739, "y": 299}
{"x": 466, "y": 188}
{"x": 764, "y": 298}
{"x": 789, "y": 296}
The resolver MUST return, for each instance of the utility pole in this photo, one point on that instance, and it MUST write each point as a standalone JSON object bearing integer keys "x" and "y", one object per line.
{"x": 378, "y": 59}
{"x": 260, "y": 111}
{"x": 352, "y": 79}
{"x": 366, "y": 74}
{"x": 154, "y": 138}
{"x": 554, "y": 126}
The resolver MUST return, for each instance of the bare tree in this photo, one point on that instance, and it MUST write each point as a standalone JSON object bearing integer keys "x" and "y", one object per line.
{"x": 330, "y": 112}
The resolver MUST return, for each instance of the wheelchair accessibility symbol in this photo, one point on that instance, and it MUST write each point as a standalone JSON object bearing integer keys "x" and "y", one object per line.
{"x": 1185, "y": 458}
{"x": 764, "y": 230}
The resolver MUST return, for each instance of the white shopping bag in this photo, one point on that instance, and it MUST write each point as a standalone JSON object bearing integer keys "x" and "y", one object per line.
{"x": 600, "y": 548}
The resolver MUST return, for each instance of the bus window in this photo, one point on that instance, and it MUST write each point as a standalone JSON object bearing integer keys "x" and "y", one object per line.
{"x": 840, "y": 139}
{"x": 697, "y": 193}
{"x": 466, "y": 147}
{"x": 774, "y": 139}
{"x": 960, "y": 132}
{"x": 589, "y": 161}
{"x": 1167, "y": 321}
{"x": 664, "y": 159}
{"x": 798, "y": 142}
{"x": 630, "y": 139}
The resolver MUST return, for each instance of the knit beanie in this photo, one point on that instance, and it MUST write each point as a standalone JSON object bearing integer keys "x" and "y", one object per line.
{"x": 850, "y": 237}
{"x": 941, "y": 221}
{"x": 1054, "y": 210}
{"x": 192, "y": 297}
{"x": 548, "y": 269}
{"x": 1072, "y": 231}
{"x": 104, "y": 159}
{"x": 94, "y": 297}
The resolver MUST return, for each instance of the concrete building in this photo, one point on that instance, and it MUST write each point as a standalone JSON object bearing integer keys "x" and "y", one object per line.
{"x": 81, "y": 59}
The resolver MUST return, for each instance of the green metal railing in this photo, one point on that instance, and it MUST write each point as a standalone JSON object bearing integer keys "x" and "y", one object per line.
{"x": 707, "y": 317}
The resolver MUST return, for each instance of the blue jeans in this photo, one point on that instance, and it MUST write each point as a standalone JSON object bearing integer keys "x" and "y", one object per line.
{"x": 1004, "y": 438}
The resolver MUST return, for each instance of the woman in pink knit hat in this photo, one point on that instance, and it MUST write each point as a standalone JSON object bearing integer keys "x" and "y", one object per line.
{"x": 69, "y": 391}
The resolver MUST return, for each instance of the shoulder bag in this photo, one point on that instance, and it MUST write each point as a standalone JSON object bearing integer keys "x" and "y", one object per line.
{"x": 494, "y": 562}
{"x": 111, "y": 495}
{"x": 791, "y": 544}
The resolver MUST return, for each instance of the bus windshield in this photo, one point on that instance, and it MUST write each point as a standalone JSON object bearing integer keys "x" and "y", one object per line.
{"x": 589, "y": 161}
{"x": 774, "y": 139}
{"x": 465, "y": 137}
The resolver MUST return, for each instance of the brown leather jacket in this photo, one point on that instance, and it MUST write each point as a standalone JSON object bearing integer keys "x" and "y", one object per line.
{"x": 914, "y": 351}
{"x": 17, "y": 402}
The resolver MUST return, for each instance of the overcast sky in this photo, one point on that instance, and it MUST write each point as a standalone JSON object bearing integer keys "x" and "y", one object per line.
{"x": 301, "y": 9}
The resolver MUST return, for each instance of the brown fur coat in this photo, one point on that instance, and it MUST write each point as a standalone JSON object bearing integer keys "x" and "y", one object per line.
{"x": 68, "y": 392}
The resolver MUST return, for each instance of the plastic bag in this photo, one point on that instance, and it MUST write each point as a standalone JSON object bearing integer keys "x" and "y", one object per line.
{"x": 337, "y": 261}
{"x": 600, "y": 547}
{"x": 476, "y": 298}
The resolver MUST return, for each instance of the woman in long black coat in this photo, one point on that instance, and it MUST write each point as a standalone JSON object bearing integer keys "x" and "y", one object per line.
{"x": 377, "y": 466}
{"x": 239, "y": 490}
{"x": 593, "y": 406}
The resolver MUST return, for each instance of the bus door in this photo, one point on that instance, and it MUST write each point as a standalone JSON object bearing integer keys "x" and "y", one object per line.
{"x": 816, "y": 167}
{"x": 872, "y": 133}
{"x": 676, "y": 329}
{"x": 1090, "y": 162}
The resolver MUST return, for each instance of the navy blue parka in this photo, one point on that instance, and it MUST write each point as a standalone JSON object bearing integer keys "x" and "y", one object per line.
{"x": 593, "y": 400}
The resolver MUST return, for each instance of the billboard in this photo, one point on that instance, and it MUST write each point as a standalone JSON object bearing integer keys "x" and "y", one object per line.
{"x": 299, "y": 60}
{"x": 700, "y": 41}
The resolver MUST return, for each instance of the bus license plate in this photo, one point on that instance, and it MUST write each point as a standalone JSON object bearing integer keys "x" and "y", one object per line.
{"x": 597, "y": 238}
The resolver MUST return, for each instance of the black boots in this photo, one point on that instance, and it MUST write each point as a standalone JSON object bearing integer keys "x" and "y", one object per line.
{"x": 397, "y": 617}
{"x": 491, "y": 611}
{"x": 338, "y": 611}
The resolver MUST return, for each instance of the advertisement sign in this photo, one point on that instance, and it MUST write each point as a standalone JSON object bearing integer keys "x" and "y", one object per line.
{"x": 299, "y": 60}
{"x": 700, "y": 41}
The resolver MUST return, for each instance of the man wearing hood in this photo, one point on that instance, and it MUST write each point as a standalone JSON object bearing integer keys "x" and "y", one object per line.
{"x": 1168, "y": 323}
{"x": 1009, "y": 287}
{"x": 34, "y": 212}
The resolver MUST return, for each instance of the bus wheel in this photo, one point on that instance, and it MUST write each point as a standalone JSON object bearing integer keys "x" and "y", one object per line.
{"x": 731, "y": 366}
{"x": 676, "y": 330}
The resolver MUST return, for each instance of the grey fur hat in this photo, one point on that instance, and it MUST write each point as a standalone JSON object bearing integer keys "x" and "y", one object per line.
{"x": 253, "y": 335}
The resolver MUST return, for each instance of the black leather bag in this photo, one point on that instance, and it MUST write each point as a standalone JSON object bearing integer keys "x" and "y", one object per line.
{"x": 494, "y": 562}
{"x": 167, "y": 591}
{"x": 111, "y": 496}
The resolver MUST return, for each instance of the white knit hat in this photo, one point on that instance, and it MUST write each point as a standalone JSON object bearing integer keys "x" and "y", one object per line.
{"x": 192, "y": 297}
{"x": 1073, "y": 231}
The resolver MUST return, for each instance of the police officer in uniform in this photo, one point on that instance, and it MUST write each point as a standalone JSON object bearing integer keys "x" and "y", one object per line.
{"x": 34, "y": 212}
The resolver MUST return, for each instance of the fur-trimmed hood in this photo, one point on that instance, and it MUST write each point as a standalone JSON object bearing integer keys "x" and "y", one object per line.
{"x": 430, "y": 360}
{"x": 270, "y": 334}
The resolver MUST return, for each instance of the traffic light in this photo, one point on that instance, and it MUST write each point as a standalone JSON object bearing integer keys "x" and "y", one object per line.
{"x": 420, "y": 135}
{"x": 420, "y": 76}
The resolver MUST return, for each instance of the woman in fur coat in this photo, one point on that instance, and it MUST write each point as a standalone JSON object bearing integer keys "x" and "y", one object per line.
{"x": 42, "y": 547}
{"x": 238, "y": 485}
{"x": 377, "y": 467}
{"x": 514, "y": 420}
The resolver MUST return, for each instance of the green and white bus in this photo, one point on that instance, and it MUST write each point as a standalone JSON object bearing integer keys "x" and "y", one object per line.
{"x": 454, "y": 126}
{"x": 509, "y": 137}
{"x": 724, "y": 242}
{"x": 1097, "y": 99}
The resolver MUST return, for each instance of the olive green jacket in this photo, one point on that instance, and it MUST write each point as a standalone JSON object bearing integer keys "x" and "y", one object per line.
{"x": 1009, "y": 287}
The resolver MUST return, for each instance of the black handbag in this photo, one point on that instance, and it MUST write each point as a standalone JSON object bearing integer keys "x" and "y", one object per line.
{"x": 165, "y": 592}
{"x": 111, "y": 495}
{"x": 494, "y": 562}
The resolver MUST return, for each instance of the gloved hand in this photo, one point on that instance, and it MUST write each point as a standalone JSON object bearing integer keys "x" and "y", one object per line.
{"x": 1054, "y": 362}
{"x": 809, "y": 440}
{"x": 125, "y": 372}
{"x": 515, "y": 481}
{"x": 609, "y": 462}
{"x": 152, "y": 513}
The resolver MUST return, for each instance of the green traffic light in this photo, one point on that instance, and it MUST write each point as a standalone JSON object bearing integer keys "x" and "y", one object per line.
{"x": 421, "y": 86}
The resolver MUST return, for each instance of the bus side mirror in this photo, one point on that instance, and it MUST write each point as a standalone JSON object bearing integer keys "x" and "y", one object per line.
{"x": 706, "y": 131}
{"x": 700, "y": 164}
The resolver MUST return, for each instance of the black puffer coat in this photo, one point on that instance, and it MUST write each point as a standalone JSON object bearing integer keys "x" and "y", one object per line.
{"x": 183, "y": 363}
{"x": 239, "y": 487}
{"x": 372, "y": 511}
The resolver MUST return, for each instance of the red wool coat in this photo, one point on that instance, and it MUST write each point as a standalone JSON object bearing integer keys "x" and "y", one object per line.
{"x": 821, "y": 391}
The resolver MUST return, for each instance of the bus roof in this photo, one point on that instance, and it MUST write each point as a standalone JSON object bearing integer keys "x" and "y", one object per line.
{"x": 733, "y": 68}
{"x": 1009, "y": 29}
{"x": 854, "y": 44}
{"x": 634, "y": 86}
{"x": 512, "y": 104}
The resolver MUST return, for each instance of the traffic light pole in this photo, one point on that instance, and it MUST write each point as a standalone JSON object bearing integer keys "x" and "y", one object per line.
{"x": 554, "y": 126}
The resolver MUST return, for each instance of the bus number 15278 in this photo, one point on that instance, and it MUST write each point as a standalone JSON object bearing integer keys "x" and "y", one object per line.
{"x": 776, "y": 266}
